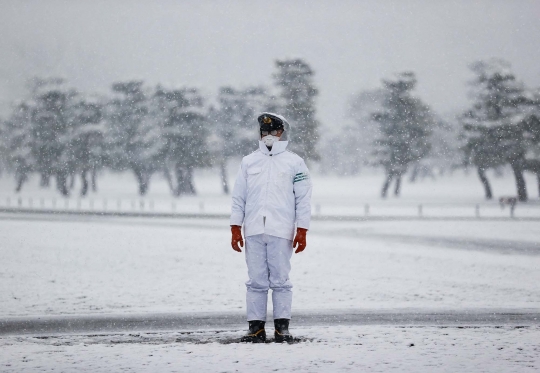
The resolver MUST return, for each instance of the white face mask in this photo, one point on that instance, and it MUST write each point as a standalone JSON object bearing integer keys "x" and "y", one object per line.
{"x": 269, "y": 140}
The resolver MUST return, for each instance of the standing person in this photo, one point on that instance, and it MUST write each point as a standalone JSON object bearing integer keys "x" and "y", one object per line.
{"x": 271, "y": 195}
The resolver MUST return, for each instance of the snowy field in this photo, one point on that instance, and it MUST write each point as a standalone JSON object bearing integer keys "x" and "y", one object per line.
{"x": 455, "y": 195}
{"x": 83, "y": 265}
{"x": 326, "y": 349}
{"x": 80, "y": 265}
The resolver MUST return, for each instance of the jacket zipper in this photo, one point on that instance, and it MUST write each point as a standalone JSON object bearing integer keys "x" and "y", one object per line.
{"x": 267, "y": 187}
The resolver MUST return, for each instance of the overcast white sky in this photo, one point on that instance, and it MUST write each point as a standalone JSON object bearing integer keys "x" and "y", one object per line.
{"x": 350, "y": 44}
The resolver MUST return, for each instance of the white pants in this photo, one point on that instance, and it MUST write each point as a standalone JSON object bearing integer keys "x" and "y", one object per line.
{"x": 268, "y": 260}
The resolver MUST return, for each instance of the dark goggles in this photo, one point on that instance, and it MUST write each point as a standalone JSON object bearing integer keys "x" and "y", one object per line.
{"x": 266, "y": 133}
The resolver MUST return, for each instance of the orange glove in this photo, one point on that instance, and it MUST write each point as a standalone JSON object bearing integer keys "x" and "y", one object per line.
{"x": 236, "y": 231}
{"x": 300, "y": 240}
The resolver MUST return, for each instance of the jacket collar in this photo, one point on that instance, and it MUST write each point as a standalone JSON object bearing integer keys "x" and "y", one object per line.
{"x": 278, "y": 147}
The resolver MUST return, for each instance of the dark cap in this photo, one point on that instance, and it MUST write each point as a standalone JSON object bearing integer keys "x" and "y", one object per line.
{"x": 269, "y": 122}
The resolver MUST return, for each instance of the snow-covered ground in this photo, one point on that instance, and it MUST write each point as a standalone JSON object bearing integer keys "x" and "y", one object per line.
{"x": 60, "y": 265}
{"x": 455, "y": 195}
{"x": 325, "y": 349}
{"x": 80, "y": 265}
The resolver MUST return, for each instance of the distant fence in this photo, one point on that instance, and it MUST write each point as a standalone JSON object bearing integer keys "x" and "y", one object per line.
{"x": 218, "y": 209}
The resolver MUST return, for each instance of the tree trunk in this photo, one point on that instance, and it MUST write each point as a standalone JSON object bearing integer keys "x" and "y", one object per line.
{"x": 61, "y": 183}
{"x": 533, "y": 166}
{"x": 180, "y": 182}
{"x": 397, "y": 189}
{"x": 485, "y": 182}
{"x": 21, "y": 178}
{"x": 169, "y": 180}
{"x": 94, "y": 180}
{"x": 84, "y": 188}
{"x": 45, "y": 181}
{"x": 223, "y": 174}
{"x": 190, "y": 185}
{"x": 71, "y": 181}
{"x": 143, "y": 180}
{"x": 386, "y": 185}
{"x": 184, "y": 177}
{"x": 520, "y": 181}
{"x": 143, "y": 187}
{"x": 538, "y": 182}
{"x": 414, "y": 173}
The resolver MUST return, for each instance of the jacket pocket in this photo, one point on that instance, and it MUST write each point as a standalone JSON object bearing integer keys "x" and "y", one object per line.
{"x": 254, "y": 171}
{"x": 253, "y": 185}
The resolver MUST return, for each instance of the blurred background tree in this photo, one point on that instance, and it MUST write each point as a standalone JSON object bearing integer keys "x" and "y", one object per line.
{"x": 493, "y": 126}
{"x": 405, "y": 125}
{"x": 185, "y": 133}
{"x": 294, "y": 79}
{"x": 234, "y": 125}
{"x": 61, "y": 134}
{"x": 132, "y": 140}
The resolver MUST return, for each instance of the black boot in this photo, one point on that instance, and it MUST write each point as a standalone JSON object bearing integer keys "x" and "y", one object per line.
{"x": 282, "y": 331}
{"x": 256, "y": 333}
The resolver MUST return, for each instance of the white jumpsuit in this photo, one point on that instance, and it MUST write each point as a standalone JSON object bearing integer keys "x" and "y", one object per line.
{"x": 271, "y": 195}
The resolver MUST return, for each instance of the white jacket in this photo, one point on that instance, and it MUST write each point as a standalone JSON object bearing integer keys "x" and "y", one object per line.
{"x": 272, "y": 192}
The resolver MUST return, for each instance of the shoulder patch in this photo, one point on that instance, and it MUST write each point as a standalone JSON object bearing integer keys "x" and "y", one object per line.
{"x": 301, "y": 176}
